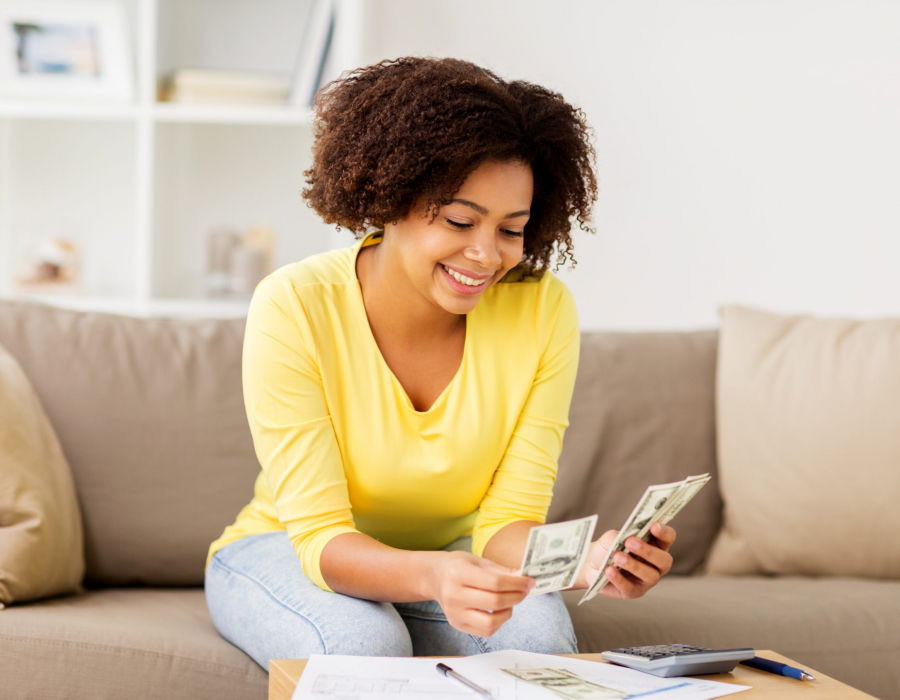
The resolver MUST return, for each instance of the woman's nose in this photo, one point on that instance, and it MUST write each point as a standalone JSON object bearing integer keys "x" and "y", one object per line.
{"x": 484, "y": 251}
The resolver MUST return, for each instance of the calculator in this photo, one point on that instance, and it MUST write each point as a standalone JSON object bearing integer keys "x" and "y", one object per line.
{"x": 669, "y": 660}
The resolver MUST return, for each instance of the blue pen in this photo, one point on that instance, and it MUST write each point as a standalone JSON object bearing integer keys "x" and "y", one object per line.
{"x": 778, "y": 668}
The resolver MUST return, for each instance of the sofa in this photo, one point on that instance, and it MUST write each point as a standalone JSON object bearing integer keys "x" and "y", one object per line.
{"x": 150, "y": 416}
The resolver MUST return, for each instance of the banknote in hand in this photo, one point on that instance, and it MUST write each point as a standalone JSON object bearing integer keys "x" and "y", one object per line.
{"x": 660, "y": 503}
{"x": 554, "y": 554}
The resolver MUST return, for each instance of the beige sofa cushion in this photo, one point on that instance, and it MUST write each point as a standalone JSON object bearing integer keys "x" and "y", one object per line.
{"x": 151, "y": 417}
{"x": 152, "y": 644}
{"x": 809, "y": 445}
{"x": 41, "y": 546}
{"x": 642, "y": 413}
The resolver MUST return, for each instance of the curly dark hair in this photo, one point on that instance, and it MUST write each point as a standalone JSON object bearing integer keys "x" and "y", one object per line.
{"x": 393, "y": 132}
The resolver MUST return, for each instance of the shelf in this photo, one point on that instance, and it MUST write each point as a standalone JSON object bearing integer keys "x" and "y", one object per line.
{"x": 231, "y": 114}
{"x": 138, "y": 186}
{"x": 163, "y": 308}
{"x": 160, "y": 112}
{"x": 68, "y": 110}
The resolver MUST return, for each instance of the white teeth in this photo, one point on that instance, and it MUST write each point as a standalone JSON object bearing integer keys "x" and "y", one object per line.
{"x": 462, "y": 278}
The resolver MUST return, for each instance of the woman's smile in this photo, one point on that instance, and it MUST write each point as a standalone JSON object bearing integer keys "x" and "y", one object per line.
{"x": 462, "y": 283}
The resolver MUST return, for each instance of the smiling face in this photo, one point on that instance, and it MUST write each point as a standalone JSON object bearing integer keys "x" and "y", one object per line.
{"x": 472, "y": 242}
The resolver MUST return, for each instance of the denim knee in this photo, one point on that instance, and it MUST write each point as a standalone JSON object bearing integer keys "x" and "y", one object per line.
{"x": 275, "y": 612}
{"x": 261, "y": 601}
{"x": 379, "y": 632}
{"x": 539, "y": 624}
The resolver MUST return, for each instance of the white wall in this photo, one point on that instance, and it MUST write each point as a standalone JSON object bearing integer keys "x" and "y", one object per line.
{"x": 748, "y": 151}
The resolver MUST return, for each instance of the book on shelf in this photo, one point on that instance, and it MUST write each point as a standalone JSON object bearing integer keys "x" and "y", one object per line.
{"x": 195, "y": 85}
{"x": 314, "y": 50}
{"x": 214, "y": 86}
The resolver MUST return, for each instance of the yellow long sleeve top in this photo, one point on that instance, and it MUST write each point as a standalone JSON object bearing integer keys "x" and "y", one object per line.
{"x": 341, "y": 446}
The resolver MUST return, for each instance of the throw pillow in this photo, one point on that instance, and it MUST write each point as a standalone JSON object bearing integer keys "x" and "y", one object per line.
{"x": 41, "y": 551}
{"x": 808, "y": 428}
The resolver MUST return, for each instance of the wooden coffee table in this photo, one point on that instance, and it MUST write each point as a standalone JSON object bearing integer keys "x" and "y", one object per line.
{"x": 284, "y": 674}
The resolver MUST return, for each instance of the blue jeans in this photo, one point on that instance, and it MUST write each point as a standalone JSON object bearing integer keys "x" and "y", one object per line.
{"x": 261, "y": 601}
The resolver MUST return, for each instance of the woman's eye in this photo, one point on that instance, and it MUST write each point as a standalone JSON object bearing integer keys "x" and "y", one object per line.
{"x": 507, "y": 233}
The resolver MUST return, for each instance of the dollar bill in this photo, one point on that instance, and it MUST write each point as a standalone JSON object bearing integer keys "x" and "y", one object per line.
{"x": 648, "y": 509}
{"x": 660, "y": 503}
{"x": 564, "y": 683}
{"x": 554, "y": 554}
{"x": 691, "y": 486}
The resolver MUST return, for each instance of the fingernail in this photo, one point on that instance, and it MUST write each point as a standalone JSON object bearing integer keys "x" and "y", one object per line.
{"x": 612, "y": 573}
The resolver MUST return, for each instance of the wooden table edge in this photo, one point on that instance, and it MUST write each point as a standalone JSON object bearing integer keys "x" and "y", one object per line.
{"x": 284, "y": 674}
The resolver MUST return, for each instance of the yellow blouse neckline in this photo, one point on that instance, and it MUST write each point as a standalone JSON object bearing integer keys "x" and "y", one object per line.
{"x": 374, "y": 238}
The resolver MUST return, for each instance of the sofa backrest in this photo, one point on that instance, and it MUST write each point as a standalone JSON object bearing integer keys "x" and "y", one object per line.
{"x": 642, "y": 413}
{"x": 150, "y": 415}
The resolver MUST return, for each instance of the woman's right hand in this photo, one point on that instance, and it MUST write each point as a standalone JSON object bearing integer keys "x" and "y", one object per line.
{"x": 476, "y": 594}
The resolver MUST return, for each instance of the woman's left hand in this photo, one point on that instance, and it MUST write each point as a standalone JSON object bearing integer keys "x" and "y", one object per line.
{"x": 640, "y": 566}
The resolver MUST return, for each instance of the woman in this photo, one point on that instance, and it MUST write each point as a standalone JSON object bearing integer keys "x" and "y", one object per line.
{"x": 408, "y": 395}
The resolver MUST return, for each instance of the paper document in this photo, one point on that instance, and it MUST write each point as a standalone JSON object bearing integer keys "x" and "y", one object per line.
{"x": 416, "y": 678}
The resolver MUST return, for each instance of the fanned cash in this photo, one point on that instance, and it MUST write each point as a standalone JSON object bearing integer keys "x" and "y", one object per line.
{"x": 564, "y": 683}
{"x": 647, "y": 511}
{"x": 660, "y": 503}
{"x": 554, "y": 554}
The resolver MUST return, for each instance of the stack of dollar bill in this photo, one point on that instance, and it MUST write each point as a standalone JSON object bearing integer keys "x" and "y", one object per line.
{"x": 565, "y": 684}
{"x": 659, "y": 504}
{"x": 554, "y": 554}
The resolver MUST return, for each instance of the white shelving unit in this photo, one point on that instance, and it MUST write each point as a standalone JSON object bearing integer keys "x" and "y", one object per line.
{"x": 139, "y": 186}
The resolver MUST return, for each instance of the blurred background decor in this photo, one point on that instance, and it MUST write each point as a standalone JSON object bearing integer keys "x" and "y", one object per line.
{"x": 235, "y": 263}
{"x": 51, "y": 266}
{"x": 65, "y": 49}
{"x": 212, "y": 135}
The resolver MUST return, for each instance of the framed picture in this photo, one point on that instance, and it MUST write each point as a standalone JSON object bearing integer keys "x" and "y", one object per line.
{"x": 65, "y": 49}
